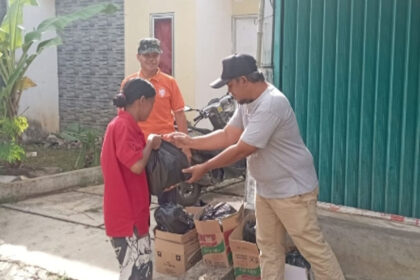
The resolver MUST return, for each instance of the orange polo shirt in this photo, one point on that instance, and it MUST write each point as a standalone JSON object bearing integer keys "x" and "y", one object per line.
{"x": 167, "y": 101}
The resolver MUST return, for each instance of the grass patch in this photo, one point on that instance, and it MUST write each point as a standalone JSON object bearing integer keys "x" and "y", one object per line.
{"x": 49, "y": 160}
{"x": 60, "y": 156}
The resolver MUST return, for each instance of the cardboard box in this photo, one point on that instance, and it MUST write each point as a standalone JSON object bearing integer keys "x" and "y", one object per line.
{"x": 193, "y": 209}
{"x": 188, "y": 237}
{"x": 213, "y": 237}
{"x": 176, "y": 253}
{"x": 245, "y": 255}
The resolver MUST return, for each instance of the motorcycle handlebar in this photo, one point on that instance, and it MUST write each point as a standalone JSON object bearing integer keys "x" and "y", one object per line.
{"x": 198, "y": 118}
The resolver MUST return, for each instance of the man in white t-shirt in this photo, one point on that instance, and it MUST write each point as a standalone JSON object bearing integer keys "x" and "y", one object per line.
{"x": 264, "y": 129}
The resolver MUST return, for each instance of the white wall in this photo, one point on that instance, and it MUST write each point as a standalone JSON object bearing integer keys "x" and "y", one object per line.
{"x": 41, "y": 102}
{"x": 214, "y": 42}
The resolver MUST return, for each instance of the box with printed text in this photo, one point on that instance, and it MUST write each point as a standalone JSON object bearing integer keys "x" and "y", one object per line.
{"x": 245, "y": 255}
{"x": 213, "y": 236}
{"x": 176, "y": 253}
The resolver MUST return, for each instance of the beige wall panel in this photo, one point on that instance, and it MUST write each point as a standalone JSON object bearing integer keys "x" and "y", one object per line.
{"x": 137, "y": 25}
{"x": 245, "y": 7}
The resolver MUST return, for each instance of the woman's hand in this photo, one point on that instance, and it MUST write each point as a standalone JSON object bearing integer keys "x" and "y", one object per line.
{"x": 155, "y": 140}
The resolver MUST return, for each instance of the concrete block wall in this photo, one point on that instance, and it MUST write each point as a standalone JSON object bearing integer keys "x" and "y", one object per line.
{"x": 2, "y": 14}
{"x": 90, "y": 66}
{"x": 2, "y": 9}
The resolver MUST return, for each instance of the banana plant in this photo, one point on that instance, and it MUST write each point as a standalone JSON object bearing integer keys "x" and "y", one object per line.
{"x": 17, "y": 54}
{"x": 19, "y": 48}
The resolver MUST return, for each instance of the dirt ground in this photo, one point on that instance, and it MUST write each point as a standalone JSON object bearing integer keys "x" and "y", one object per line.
{"x": 13, "y": 270}
{"x": 48, "y": 160}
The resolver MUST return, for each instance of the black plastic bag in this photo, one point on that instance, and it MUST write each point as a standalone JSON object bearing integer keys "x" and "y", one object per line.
{"x": 217, "y": 211}
{"x": 164, "y": 168}
{"x": 172, "y": 218}
{"x": 295, "y": 258}
{"x": 248, "y": 231}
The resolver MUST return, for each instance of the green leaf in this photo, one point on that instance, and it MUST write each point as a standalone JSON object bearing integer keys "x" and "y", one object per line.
{"x": 12, "y": 67}
{"x": 11, "y": 24}
{"x": 11, "y": 152}
{"x": 3, "y": 33}
{"x": 48, "y": 43}
{"x": 21, "y": 124}
{"x": 33, "y": 36}
{"x": 26, "y": 83}
{"x": 61, "y": 22}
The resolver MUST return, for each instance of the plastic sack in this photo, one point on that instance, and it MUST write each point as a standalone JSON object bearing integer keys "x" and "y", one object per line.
{"x": 248, "y": 232}
{"x": 164, "y": 168}
{"x": 172, "y": 218}
{"x": 295, "y": 258}
{"x": 217, "y": 211}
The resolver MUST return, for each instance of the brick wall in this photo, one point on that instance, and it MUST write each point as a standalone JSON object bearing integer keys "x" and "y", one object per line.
{"x": 2, "y": 13}
{"x": 90, "y": 66}
{"x": 2, "y": 9}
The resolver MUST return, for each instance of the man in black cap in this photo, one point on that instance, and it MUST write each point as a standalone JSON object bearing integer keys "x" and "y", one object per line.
{"x": 264, "y": 129}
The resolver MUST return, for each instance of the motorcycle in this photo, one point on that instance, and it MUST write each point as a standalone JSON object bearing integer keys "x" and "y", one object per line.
{"x": 218, "y": 111}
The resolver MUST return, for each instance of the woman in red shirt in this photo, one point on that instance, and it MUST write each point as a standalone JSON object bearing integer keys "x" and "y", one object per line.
{"x": 124, "y": 156}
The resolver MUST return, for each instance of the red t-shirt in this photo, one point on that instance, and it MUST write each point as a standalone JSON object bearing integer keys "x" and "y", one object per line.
{"x": 126, "y": 195}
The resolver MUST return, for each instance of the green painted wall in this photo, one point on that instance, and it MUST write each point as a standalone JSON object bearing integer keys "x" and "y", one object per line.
{"x": 351, "y": 69}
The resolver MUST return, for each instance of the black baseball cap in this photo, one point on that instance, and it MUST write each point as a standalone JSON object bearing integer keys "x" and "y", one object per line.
{"x": 234, "y": 66}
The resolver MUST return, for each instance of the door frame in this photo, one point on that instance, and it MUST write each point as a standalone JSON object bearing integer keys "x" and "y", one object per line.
{"x": 170, "y": 16}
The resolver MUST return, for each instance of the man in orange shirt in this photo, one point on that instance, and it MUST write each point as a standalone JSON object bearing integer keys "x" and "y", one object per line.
{"x": 169, "y": 104}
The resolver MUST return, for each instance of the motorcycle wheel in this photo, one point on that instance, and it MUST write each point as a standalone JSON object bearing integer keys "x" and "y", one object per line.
{"x": 187, "y": 194}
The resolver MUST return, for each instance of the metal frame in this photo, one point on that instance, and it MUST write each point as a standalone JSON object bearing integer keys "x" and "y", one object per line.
{"x": 234, "y": 18}
{"x": 170, "y": 16}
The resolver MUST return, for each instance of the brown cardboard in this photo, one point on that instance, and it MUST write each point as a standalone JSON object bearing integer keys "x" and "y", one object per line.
{"x": 173, "y": 258}
{"x": 214, "y": 238}
{"x": 176, "y": 253}
{"x": 193, "y": 209}
{"x": 245, "y": 255}
{"x": 177, "y": 238}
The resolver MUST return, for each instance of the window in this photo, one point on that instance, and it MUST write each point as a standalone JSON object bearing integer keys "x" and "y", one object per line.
{"x": 161, "y": 27}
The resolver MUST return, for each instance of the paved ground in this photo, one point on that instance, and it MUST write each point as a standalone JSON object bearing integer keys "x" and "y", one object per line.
{"x": 63, "y": 234}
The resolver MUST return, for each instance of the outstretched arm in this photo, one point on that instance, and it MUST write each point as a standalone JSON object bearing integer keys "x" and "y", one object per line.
{"x": 230, "y": 155}
{"x": 218, "y": 139}
{"x": 181, "y": 122}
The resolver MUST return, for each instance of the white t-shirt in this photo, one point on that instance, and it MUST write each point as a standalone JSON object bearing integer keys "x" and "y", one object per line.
{"x": 282, "y": 165}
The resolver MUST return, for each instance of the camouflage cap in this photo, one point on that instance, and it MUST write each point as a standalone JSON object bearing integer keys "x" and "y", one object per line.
{"x": 149, "y": 45}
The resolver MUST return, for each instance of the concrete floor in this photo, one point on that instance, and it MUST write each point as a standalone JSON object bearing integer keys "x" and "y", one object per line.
{"x": 63, "y": 233}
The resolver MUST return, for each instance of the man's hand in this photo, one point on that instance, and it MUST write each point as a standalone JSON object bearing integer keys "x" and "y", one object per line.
{"x": 197, "y": 171}
{"x": 179, "y": 139}
{"x": 187, "y": 153}
{"x": 170, "y": 188}
{"x": 155, "y": 140}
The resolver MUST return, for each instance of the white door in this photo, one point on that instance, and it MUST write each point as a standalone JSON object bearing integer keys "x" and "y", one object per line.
{"x": 245, "y": 34}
